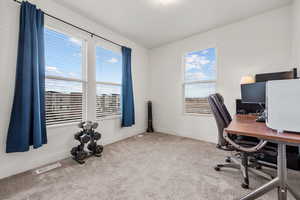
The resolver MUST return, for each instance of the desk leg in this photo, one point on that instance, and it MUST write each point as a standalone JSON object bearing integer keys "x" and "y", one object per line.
{"x": 280, "y": 182}
{"x": 262, "y": 190}
{"x": 282, "y": 172}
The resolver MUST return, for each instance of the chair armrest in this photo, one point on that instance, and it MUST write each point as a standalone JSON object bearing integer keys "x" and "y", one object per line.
{"x": 253, "y": 149}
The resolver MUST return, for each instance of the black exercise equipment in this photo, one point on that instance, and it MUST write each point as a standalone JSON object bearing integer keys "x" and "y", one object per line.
{"x": 90, "y": 136}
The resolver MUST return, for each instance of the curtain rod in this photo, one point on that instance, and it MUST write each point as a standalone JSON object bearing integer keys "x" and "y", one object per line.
{"x": 82, "y": 29}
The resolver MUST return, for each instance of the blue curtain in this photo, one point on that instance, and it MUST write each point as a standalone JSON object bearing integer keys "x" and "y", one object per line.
{"x": 128, "y": 118}
{"x": 27, "y": 122}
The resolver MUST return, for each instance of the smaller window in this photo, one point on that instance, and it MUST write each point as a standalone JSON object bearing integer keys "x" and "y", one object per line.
{"x": 109, "y": 78}
{"x": 199, "y": 80}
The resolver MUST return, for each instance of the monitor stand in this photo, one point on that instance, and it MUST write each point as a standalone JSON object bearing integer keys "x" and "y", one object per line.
{"x": 261, "y": 117}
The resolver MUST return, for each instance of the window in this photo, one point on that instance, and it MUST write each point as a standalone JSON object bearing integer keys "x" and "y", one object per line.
{"x": 199, "y": 80}
{"x": 108, "y": 80}
{"x": 64, "y": 78}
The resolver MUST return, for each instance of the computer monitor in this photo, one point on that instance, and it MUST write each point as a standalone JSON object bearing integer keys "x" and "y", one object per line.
{"x": 254, "y": 93}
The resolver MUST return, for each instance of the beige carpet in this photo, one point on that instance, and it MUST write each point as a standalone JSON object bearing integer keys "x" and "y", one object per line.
{"x": 153, "y": 167}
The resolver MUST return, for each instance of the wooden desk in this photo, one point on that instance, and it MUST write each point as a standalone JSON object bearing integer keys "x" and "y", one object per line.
{"x": 247, "y": 126}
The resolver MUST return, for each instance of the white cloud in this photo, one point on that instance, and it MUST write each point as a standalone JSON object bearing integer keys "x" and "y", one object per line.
{"x": 69, "y": 86}
{"x": 108, "y": 90}
{"x": 195, "y": 61}
{"x": 204, "y": 52}
{"x": 113, "y": 60}
{"x": 195, "y": 76}
{"x": 191, "y": 66}
{"x": 73, "y": 74}
{"x": 77, "y": 54}
{"x": 53, "y": 70}
{"x": 75, "y": 41}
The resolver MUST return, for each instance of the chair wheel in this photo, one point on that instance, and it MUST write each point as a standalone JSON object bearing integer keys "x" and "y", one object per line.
{"x": 217, "y": 168}
{"x": 245, "y": 186}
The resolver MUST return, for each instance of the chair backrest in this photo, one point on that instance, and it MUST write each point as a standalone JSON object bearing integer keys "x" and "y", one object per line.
{"x": 221, "y": 114}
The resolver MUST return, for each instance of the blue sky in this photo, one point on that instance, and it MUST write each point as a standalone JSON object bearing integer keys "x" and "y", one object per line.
{"x": 63, "y": 55}
{"x": 200, "y": 66}
{"x": 108, "y": 66}
{"x": 64, "y": 58}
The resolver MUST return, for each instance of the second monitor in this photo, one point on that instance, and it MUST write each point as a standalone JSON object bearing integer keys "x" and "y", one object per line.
{"x": 254, "y": 93}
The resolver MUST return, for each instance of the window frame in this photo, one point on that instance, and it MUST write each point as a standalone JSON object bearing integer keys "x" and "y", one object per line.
{"x": 84, "y": 78}
{"x": 184, "y": 82}
{"x": 116, "y": 49}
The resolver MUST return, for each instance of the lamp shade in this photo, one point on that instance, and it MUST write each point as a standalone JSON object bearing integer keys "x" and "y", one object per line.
{"x": 247, "y": 80}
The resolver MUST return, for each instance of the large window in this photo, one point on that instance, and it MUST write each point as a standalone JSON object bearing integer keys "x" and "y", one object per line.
{"x": 199, "y": 80}
{"x": 108, "y": 79}
{"x": 64, "y": 78}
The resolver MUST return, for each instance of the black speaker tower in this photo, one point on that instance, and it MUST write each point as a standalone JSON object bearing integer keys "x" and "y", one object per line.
{"x": 150, "y": 123}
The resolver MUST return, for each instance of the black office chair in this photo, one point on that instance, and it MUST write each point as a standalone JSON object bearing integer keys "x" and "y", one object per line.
{"x": 247, "y": 148}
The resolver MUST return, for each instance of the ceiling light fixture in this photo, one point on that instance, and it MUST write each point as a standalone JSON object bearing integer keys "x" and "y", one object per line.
{"x": 167, "y": 2}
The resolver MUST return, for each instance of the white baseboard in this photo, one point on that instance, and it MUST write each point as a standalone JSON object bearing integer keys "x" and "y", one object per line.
{"x": 123, "y": 137}
{"x": 180, "y": 133}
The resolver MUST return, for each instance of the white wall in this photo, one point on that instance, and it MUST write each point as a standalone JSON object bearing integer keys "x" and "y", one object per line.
{"x": 296, "y": 32}
{"x": 255, "y": 45}
{"x": 60, "y": 139}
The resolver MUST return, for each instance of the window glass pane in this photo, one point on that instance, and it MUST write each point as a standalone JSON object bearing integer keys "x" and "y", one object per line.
{"x": 108, "y": 66}
{"x": 108, "y": 100}
{"x": 63, "y": 101}
{"x": 199, "y": 90}
{"x": 200, "y": 65}
{"x": 63, "y": 55}
{"x": 196, "y": 97}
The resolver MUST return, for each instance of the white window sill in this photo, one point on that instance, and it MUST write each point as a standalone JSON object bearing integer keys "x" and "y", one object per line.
{"x": 113, "y": 117}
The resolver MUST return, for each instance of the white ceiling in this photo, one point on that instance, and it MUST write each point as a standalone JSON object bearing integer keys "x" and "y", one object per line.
{"x": 151, "y": 23}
